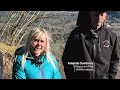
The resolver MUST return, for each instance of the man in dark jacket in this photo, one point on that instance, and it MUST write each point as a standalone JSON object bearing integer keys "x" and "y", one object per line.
{"x": 1, "y": 66}
{"x": 91, "y": 51}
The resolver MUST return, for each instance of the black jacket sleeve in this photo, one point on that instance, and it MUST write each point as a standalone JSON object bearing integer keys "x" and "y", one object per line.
{"x": 66, "y": 57}
{"x": 1, "y": 66}
{"x": 69, "y": 55}
{"x": 114, "y": 61}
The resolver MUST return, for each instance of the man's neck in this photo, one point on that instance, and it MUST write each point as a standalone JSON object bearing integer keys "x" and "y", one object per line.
{"x": 97, "y": 29}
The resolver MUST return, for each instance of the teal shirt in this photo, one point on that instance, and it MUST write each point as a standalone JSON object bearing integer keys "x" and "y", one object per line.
{"x": 31, "y": 71}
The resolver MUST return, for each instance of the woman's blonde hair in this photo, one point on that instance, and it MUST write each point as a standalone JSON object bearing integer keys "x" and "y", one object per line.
{"x": 33, "y": 32}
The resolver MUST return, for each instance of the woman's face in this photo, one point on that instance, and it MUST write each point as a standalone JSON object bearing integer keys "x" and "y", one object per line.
{"x": 97, "y": 19}
{"x": 38, "y": 44}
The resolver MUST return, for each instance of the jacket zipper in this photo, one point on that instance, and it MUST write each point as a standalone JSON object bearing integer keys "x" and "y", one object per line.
{"x": 41, "y": 73}
{"x": 94, "y": 56}
{"x": 95, "y": 52}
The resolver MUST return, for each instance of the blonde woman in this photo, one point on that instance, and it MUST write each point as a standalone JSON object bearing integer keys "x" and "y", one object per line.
{"x": 34, "y": 60}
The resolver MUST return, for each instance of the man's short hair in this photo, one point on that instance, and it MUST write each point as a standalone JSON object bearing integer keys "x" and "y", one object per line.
{"x": 103, "y": 11}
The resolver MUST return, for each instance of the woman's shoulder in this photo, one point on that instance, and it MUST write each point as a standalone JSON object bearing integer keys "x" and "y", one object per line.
{"x": 52, "y": 56}
{"x": 18, "y": 56}
{"x": 19, "y": 51}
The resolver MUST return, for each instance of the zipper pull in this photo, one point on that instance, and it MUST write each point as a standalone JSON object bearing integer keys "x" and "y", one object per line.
{"x": 41, "y": 73}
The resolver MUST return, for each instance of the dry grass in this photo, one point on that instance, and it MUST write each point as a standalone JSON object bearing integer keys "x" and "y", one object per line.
{"x": 8, "y": 53}
{"x": 6, "y": 48}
